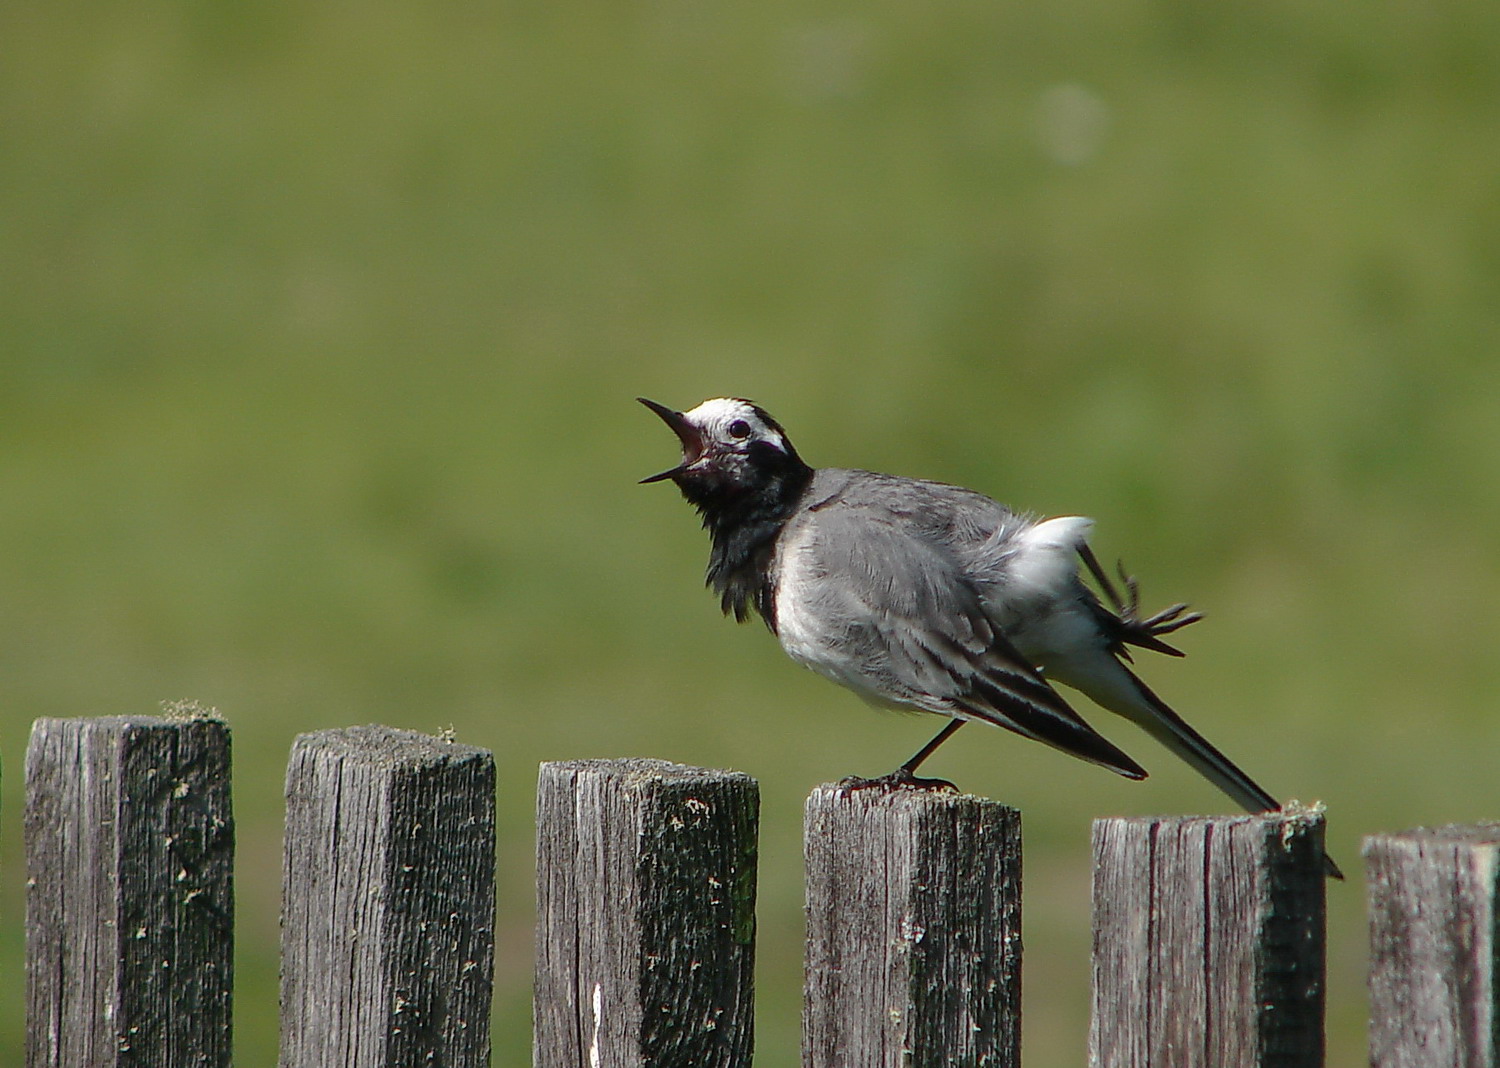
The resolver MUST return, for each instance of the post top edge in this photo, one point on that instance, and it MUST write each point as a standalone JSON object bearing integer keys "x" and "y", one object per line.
{"x": 640, "y": 768}
{"x": 1479, "y": 833}
{"x": 835, "y": 792}
{"x": 395, "y": 744}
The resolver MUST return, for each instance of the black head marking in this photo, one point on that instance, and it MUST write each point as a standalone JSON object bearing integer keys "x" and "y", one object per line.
{"x": 741, "y": 472}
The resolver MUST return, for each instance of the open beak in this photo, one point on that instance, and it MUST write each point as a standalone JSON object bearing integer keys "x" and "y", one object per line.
{"x": 687, "y": 433}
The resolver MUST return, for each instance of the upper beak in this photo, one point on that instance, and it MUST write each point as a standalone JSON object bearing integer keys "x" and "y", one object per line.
{"x": 687, "y": 433}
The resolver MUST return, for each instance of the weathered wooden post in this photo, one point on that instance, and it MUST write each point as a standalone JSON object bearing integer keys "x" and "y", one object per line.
{"x": 1209, "y": 942}
{"x": 388, "y": 901}
{"x": 129, "y": 902}
{"x": 913, "y": 930}
{"x": 645, "y": 932}
{"x": 1434, "y": 907}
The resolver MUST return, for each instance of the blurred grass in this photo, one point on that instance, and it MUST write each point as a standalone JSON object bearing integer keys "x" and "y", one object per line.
{"x": 322, "y": 325}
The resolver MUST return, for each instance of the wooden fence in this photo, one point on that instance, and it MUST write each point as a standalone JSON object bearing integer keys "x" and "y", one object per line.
{"x": 1208, "y": 933}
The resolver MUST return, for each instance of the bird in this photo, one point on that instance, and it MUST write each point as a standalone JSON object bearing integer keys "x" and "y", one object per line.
{"x": 925, "y": 596}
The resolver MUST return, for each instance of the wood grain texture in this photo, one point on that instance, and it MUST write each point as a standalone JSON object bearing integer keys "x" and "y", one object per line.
{"x": 129, "y": 906}
{"x": 1208, "y": 942}
{"x": 388, "y": 901}
{"x": 645, "y": 934}
{"x": 1433, "y": 897}
{"x": 913, "y": 930}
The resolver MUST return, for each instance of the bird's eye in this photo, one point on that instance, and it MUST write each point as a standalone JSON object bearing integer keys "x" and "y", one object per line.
{"x": 739, "y": 429}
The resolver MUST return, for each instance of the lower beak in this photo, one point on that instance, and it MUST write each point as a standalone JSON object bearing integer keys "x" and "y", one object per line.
{"x": 687, "y": 433}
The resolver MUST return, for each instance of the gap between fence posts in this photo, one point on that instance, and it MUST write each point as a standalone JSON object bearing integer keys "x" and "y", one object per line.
{"x": 388, "y": 901}
{"x": 913, "y": 930}
{"x": 129, "y": 903}
{"x": 1209, "y": 942}
{"x": 645, "y": 930}
{"x": 1433, "y": 898}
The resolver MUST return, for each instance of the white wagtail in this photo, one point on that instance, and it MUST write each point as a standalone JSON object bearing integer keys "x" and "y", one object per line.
{"x": 925, "y": 596}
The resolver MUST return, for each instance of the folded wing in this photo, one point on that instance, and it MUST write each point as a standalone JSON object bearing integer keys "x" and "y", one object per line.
{"x": 892, "y": 616}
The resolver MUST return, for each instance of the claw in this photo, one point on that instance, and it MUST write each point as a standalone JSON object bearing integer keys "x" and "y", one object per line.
{"x": 1133, "y": 587}
{"x": 1170, "y": 619}
{"x": 1166, "y": 614}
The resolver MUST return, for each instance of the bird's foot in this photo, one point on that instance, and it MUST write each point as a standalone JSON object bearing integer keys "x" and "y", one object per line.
{"x": 1128, "y": 609}
{"x": 900, "y": 779}
{"x": 1147, "y": 632}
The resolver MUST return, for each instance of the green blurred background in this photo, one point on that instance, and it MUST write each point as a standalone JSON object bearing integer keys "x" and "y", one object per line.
{"x": 322, "y": 324}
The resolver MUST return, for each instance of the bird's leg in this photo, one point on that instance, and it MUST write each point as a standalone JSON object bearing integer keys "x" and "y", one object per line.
{"x": 905, "y": 777}
{"x": 908, "y": 770}
{"x": 1106, "y": 587}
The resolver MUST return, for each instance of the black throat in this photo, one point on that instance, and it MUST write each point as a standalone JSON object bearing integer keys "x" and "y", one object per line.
{"x": 743, "y": 523}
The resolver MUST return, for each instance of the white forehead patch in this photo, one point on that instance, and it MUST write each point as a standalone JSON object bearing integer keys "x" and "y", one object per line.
{"x": 715, "y": 417}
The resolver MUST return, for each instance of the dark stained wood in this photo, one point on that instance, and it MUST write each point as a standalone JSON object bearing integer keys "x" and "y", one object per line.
{"x": 913, "y": 930}
{"x": 129, "y": 906}
{"x": 1209, "y": 942}
{"x": 388, "y": 901}
{"x": 645, "y": 932}
{"x": 1433, "y": 897}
